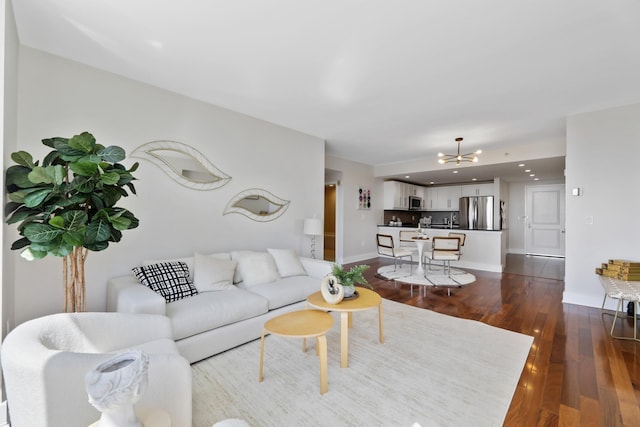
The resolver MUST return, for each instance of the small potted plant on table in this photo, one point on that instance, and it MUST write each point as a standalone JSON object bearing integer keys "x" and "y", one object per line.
{"x": 348, "y": 279}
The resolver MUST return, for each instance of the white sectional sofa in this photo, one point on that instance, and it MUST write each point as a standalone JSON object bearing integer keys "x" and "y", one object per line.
{"x": 236, "y": 293}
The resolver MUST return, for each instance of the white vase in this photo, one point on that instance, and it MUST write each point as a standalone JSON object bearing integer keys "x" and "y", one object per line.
{"x": 349, "y": 291}
{"x": 331, "y": 290}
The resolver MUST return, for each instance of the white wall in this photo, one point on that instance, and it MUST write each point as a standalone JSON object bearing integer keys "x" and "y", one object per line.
{"x": 358, "y": 226}
{"x": 9, "y": 70}
{"x": 603, "y": 149}
{"x": 61, "y": 98}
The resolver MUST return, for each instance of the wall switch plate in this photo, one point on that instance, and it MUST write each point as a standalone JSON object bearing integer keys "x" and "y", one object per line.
{"x": 577, "y": 191}
{"x": 588, "y": 219}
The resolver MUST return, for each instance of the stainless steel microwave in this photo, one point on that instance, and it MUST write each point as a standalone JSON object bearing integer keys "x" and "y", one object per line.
{"x": 415, "y": 203}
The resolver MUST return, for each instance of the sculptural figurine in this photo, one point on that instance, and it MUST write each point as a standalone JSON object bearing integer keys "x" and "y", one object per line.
{"x": 331, "y": 290}
{"x": 116, "y": 385}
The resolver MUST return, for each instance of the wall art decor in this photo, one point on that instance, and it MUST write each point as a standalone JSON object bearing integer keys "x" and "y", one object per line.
{"x": 257, "y": 204}
{"x": 183, "y": 163}
{"x": 364, "y": 198}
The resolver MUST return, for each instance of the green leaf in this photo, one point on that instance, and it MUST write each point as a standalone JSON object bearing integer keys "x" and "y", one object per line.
{"x": 91, "y": 158}
{"x": 75, "y": 219}
{"x": 134, "y": 167}
{"x": 131, "y": 188}
{"x": 39, "y": 175}
{"x": 120, "y": 223}
{"x": 10, "y": 207}
{"x": 110, "y": 178}
{"x": 40, "y": 233}
{"x": 20, "y": 243}
{"x": 74, "y": 238}
{"x": 38, "y": 254}
{"x": 45, "y": 246}
{"x": 62, "y": 249}
{"x": 84, "y": 168}
{"x": 22, "y": 214}
{"x": 51, "y": 142}
{"x": 19, "y": 176}
{"x": 84, "y": 184}
{"x": 84, "y": 142}
{"x": 112, "y": 154}
{"x": 36, "y": 198}
{"x": 23, "y": 158}
{"x": 97, "y": 231}
{"x": 57, "y": 222}
{"x": 51, "y": 158}
{"x": 66, "y": 151}
{"x": 97, "y": 246}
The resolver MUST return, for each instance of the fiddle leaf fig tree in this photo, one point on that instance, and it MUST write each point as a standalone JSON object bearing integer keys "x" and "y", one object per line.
{"x": 65, "y": 206}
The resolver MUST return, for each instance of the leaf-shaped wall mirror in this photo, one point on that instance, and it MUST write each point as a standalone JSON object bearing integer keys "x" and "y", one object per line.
{"x": 257, "y": 204}
{"x": 183, "y": 163}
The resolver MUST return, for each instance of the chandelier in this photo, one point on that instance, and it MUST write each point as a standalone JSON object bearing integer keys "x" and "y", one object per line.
{"x": 458, "y": 158}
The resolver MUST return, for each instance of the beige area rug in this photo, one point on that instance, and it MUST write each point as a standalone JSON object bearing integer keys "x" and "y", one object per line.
{"x": 432, "y": 369}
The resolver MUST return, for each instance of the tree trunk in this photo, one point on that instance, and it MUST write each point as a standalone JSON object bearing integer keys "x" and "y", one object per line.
{"x": 73, "y": 275}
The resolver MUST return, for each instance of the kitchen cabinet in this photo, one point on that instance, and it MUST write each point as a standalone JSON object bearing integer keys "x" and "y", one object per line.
{"x": 396, "y": 194}
{"x": 477, "y": 190}
{"x": 445, "y": 198}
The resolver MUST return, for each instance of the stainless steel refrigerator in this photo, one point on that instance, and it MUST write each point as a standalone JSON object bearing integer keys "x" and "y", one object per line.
{"x": 476, "y": 213}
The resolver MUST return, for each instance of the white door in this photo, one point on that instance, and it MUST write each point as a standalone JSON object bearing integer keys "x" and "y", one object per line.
{"x": 545, "y": 215}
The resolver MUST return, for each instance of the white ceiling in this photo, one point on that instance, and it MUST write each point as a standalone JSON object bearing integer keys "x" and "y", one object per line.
{"x": 380, "y": 81}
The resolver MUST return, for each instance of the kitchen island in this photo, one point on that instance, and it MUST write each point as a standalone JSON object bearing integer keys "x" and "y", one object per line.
{"x": 483, "y": 249}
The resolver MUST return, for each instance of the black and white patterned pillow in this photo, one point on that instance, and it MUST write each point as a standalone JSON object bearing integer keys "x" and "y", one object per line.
{"x": 169, "y": 279}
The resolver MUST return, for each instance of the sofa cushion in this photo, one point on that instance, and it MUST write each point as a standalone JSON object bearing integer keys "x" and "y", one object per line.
{"x": 210, "y": 310}
{"x": 187, "y": 260}
{"x": 288, "y": 290}
{"x": 254, "y": 268}
{"x": 169, "y": 279}
{"x": 211, "y": 273}
{"x": 287, "y": 262}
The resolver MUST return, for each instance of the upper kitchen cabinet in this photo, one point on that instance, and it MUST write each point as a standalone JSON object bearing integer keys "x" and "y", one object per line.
{"x": 477, "y": 190}
{"x": 446, "y": 198}
{"x": 396, "y": 194}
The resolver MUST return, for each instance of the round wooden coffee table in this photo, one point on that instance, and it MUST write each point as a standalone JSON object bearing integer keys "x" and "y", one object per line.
{"x": 302, "y": 324}
{"x": 366, "y": 300}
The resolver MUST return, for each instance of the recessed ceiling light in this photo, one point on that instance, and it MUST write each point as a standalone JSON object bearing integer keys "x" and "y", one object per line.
{"x": 536, "y": 179}
{"x": 407, "y": 176}
{"x": 474, "y": 179}
{"x": 455, "y": 171}
{"x": 532, "y": 174}
{"x": 521, "y": 165}
{"x": 431, "y": 182}
{"x": 527, "y": 170}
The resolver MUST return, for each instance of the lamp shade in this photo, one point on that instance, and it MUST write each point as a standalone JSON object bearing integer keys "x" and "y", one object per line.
{"x": 312, "y": 227}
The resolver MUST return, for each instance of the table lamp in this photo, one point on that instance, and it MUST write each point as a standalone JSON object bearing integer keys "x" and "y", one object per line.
{"x": 313, "y": 228}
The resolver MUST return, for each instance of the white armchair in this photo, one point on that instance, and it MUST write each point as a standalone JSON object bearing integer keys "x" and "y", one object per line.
{"x": 44, "y": 362}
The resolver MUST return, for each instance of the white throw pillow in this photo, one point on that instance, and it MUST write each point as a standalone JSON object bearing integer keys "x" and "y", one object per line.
{"x": 255, "y": 268}
{"x": 287, "y": 262}
{"x": 211, "y": 273}
{"x": 186, "y": 260}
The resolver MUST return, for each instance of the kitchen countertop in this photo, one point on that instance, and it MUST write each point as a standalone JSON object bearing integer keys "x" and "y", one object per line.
{"x": 433, "y": 227}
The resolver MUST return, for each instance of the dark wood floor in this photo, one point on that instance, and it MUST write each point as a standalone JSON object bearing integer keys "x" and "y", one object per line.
{"x": 575, "y": 375}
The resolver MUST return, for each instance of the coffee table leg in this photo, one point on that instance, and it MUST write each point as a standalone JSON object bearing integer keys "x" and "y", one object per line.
{"x": 261, "y": 355}
{"x": 324, "y": 377}
{"x": 380, "y": 327}
{"x": 344, "y": 339}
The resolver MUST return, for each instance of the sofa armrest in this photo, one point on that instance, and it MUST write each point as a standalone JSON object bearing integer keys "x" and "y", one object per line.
{"x": 126, "y": 295}
{"x": 316, "y": 267}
